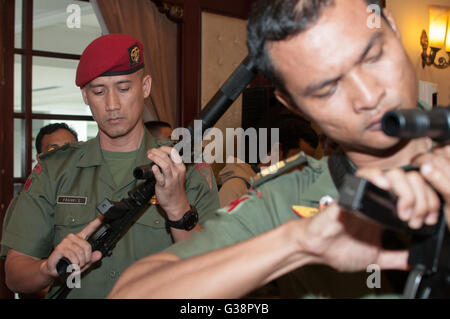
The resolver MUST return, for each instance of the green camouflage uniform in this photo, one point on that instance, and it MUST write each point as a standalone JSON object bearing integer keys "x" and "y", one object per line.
{"x": 61, "y": 196}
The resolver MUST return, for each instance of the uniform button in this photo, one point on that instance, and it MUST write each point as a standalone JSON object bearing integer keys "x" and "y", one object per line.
{"x": 72, "y": 219}
{"x": 156, "y": 221}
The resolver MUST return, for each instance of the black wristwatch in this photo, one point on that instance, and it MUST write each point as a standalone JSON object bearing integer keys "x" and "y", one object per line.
{"x": 187, "y": 222}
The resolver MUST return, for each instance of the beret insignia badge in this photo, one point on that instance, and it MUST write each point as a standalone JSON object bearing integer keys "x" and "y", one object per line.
{"x": 134, "y": 54}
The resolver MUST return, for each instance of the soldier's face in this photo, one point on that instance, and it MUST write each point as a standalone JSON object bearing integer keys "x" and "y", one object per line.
{"x": 55, "y": 139}
{"x": 164, "y": 132}
{"x": 345, "y": 76}
{"x": 117, "y": 102}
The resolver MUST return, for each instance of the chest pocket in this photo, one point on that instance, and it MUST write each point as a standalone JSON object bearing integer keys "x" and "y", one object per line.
{"x": 152, "y": 217}
{"x": 71, "y": 219}
{"x": 149, "y": 234}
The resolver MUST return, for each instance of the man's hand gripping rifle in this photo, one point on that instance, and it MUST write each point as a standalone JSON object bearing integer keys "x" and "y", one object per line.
{"x": 429, "y": 252}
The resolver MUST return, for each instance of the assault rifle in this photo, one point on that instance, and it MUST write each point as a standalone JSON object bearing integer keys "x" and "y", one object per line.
{"x": 429, "y": 253}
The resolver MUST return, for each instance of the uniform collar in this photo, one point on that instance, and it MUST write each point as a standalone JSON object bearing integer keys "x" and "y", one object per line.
{"x": 93, "y": 155}
{"x": 323, "y": 185}
{"x": 148, "y": 142}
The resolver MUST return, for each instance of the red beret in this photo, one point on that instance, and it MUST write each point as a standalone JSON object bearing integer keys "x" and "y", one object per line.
{"x": 112, "y": 54}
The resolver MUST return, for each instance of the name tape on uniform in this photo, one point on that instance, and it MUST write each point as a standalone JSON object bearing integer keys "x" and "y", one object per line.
{"x": 71, "y": 200}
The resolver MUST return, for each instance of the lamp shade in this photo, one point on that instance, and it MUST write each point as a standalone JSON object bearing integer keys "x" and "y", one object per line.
{"x": 438, "y": 26}
{"x": 447, "y": 47}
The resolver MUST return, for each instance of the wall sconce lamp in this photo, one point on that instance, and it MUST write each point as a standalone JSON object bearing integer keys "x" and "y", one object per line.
{"x": 439, "y": 39}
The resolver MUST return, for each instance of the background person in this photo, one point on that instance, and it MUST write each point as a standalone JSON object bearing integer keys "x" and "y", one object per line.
{"x": 54, "y": 135}
{"x": 159, "y": 129}
{"x": 41, "y": 227}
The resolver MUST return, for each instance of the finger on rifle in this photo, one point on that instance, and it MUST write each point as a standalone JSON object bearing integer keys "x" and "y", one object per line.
{"x": 393, "y": 259}
{"x": 80, "y": 247}
{"x": 426, "y": 201}
{"x": 375, "y": 176}
{"x": 90, "y": 228}
{"x": 437, "y": 173}
{"x": 83, "y": 248}
{"x": 72, "y": 256}
{"x": 158, "y": 175}
{"x": 434, "y": 204}
{"x": 438, "y": 151}
{"x": 175, "y": 157}
{"x": 163, "y": 161}
{"x": 172, "y": 154}
{"x": 401, "y": 186}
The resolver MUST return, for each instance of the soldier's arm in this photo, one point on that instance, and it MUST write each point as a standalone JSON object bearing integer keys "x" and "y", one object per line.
{"x": 176, "y": 189}
{"x": 334, "y": 238}
{"x": 25, "y": 274}
{"x": 226, "y": 273}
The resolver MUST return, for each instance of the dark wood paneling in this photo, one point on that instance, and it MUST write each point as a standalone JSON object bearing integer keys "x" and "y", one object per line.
{"x": 6, "y": 120}
{"x": 191, "y": 47}
{"x": 27, "y": 67}
{"x": 232, "y": 8}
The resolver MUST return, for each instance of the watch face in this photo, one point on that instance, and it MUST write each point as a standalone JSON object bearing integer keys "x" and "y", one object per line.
{"x": 191, "y": 220}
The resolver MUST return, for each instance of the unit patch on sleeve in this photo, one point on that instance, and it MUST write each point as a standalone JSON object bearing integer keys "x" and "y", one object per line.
{"x": 304, "y": 211}
{"x": 38, "y": 168}
{"x": 236, "y": 203}
{"x": 206, "y": 171}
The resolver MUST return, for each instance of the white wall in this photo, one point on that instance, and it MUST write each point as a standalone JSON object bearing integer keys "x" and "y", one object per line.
{"x": 411, "y": 17}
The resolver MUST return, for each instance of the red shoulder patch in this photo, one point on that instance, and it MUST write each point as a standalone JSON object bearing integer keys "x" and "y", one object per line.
{"x": 206, "y": 171}
{"x": 38, "y": 168}
{"x": 28, "y": 183}
{"x": 231, "y": 206}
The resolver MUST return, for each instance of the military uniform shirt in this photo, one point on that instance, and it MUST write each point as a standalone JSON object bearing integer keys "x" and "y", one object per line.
{"x": 286, "y": 197}
{"x": 61, "y": 196}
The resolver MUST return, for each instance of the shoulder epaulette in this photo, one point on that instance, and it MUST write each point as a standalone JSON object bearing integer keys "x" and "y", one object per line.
{"x": 277, "y": 169}
{"x": 63, "y": 147}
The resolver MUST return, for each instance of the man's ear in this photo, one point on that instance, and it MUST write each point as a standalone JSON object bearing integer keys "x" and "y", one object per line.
{"x": 286, "y": 100}
{"x": 391, "y": 22}
{"x": 86, "y": 101}
{"x": 147, "y": 85}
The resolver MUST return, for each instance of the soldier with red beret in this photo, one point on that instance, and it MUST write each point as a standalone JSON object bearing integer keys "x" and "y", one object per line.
{"x": 56, "y": 212}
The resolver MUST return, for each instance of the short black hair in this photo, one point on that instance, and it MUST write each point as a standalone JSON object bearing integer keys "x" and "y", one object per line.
{"x": 154, "y": 126}
{"x": 294, "y": 129}
{"x": 49, "y": 129}
{"x": 277, "y": 20}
